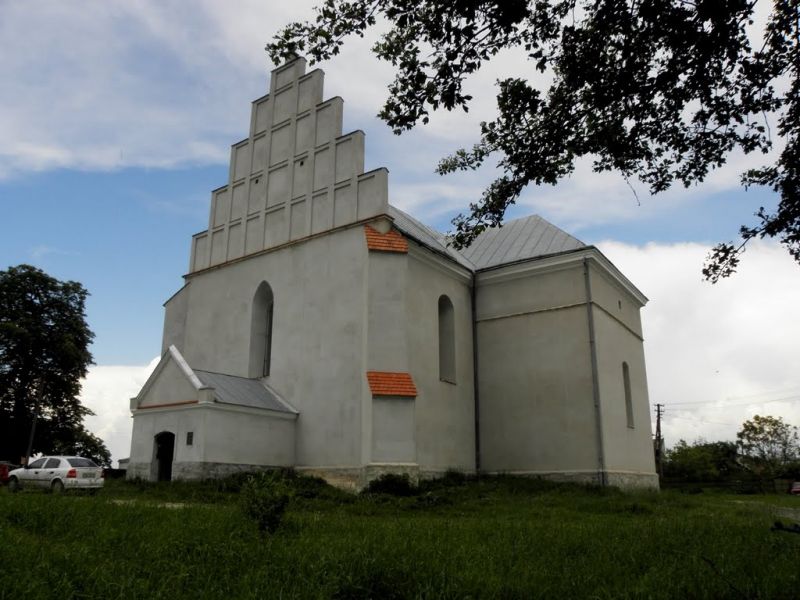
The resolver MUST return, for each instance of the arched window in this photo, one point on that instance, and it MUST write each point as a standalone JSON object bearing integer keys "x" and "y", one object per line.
{"x": 447, "y": 340}
{"x": 626, "y": 380}
{"x": 261, "y": 331}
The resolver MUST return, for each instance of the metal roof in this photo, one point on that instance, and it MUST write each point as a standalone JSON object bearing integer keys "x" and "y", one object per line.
{"x": 242, "y": 391}
{"x": 427, "y": 236}
{"x": 519, "y": 239}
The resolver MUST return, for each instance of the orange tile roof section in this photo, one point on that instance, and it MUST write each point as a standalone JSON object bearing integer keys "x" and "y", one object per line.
{"x": 169, "y": 404}
{"x": 383, "y": 383}
{"x": 391, "y": 241}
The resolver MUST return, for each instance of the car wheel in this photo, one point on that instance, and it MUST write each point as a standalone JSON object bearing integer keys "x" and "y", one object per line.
{"x": 57, "y": 487}
{"x": 13, "y": 485}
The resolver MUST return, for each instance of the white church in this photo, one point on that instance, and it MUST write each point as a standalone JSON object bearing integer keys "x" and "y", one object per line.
{"x": 323, "y": 329}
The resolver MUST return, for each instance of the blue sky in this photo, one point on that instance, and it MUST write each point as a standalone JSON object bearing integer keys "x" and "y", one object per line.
{"x": 116, "y": 121}
{"x": 125, "y": 235}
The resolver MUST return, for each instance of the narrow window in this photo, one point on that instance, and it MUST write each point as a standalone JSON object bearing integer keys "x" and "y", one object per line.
{"x": 189, "y": 438}
{"x": 261, "y": 323}
{"x": 267, "y": 341}
{"x": 626, "y": 380}
{"x": 447, "y": 340}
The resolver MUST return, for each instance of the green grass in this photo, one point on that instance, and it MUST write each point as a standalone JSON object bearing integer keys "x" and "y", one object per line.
{"x": 496, "y": 538}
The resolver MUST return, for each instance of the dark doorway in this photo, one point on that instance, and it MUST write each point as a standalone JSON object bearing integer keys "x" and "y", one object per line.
{"x": 165, "y": 451}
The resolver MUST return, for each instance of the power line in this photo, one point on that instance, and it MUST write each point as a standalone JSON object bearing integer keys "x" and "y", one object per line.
{"x": 772, "y": 393}
{"x": 704, "y": 402}
{"x": 704, "y": 421}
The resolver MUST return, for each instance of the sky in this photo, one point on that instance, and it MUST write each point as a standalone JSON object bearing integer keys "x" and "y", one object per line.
{"x": 116, "y": 121}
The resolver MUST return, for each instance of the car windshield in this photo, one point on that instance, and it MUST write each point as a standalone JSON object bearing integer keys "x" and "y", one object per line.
{"x": 81, "y": 462}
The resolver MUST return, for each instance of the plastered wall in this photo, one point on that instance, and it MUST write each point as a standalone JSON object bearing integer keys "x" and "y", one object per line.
{"x": 445, "y": 424}
{"x": 618, "y": 335}
{"x": 317, "y": 335}
{"x": 536, "y": 405}
{"x": 220, "y": 435}
{"x": 169, "y": 387}
{"x": 148, "y": 423}
{"x": 295, "y": 174}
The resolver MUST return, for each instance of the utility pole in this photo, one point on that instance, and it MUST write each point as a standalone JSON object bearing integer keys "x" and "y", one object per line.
{"x": 659, "y": 441}
{"x": 33, "y": 424}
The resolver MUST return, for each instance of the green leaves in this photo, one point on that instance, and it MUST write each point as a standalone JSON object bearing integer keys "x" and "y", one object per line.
{"x": 767, "y": 443}
{"x": 659, "y": 90}
{"x": 264, "y": 498}
{"x": 44, "y": 353}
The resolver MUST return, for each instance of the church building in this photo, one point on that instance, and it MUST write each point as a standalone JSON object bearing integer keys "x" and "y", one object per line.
{"x": 323, "y": 329}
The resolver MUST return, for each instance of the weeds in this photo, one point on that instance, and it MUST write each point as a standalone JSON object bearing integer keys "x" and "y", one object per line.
{"x": 457, "y": 537}
{"x": 263, "y": 499}
{"x": 391, "y": 484}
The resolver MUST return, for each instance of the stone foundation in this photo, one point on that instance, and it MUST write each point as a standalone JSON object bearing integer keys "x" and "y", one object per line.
{"x": 194, "y": 471}
{"x": 345, "y": 478}
{"x": 354, "y": 479}
{"x": 624, "y": 480}
{"x": 138, "y": 471}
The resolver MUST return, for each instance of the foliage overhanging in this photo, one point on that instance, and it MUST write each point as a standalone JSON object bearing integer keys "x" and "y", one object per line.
{"x": 658, "y": 90}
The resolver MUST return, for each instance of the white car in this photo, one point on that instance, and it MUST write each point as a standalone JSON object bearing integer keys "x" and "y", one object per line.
{"x": 57, "y": 473}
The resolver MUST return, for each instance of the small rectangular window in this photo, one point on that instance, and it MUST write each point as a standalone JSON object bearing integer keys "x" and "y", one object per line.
{"x": 189, "y": 438}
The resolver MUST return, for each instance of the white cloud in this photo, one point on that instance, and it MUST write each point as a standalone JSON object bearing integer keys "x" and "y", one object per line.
{"x": 107, "y": 391}
{"x": 100, "y": 85}
{"x": 732, "y": 345}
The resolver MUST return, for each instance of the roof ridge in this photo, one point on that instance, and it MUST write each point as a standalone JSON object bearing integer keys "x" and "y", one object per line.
{"x": 224, "y": 374}
{"x": 526, "y": 237}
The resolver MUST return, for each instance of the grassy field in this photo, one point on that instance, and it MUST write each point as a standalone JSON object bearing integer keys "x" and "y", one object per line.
{"x": 494, "y": 538}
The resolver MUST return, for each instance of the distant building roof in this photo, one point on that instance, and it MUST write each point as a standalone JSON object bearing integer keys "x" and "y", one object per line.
{"x": 519, "y": 239}
{"x": 242, "y": 391}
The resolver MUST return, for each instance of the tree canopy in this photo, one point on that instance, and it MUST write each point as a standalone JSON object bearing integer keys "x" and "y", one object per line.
{"x": 44, "y": 354}
{"x": 702, "y": 461}
{"x": 658, "y": 90}
{"x": 766, "y": 444}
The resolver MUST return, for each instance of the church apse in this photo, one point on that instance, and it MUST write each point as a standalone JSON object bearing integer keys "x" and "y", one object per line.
{"x": 294, "y": 176}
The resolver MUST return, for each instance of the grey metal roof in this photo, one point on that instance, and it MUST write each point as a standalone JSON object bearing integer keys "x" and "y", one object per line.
{"x": 519, "y": 239}
{"x": 427, "y": 236}
{"x": 242, "y": 391}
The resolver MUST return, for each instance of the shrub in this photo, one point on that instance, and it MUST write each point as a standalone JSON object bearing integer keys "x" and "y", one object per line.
{"x": 264, "y": 498}
{"x": 392, "y": 484}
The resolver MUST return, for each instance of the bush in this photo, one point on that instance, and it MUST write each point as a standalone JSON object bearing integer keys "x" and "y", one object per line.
{"x": 392, "y": 484}
{"x": 264, "y": 498}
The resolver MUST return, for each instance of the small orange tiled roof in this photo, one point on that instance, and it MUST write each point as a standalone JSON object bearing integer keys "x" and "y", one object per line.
{"x": 383, "y": 383}
{"x": 169, "y": 404}
{"x": 392, "y": 241}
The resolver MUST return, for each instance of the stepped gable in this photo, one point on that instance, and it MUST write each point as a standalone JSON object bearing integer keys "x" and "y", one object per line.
{"x": 295, "y": 175}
